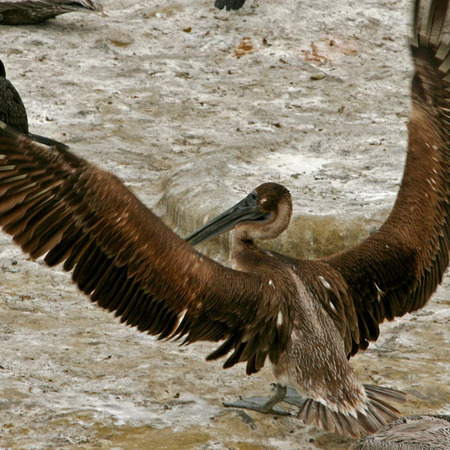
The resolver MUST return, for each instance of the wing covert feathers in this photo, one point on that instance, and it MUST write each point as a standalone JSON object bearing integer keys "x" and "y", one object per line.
{"x": 58, "y": 205}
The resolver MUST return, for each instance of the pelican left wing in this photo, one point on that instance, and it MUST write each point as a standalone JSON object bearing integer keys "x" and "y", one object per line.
{"x": 56, "y": 204}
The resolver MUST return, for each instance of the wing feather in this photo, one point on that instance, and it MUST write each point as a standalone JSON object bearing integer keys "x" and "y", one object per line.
{"x": 396, "y": 269}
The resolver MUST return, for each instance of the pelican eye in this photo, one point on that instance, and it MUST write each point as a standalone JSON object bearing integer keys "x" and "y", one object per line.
{"x": 263, "y": 217}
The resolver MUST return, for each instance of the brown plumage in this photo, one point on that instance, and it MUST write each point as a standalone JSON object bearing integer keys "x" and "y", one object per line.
{"x": 412, "y": 432}
{"x": 12, "y": 110}
{"x": 29, "y": 12}
{"x": 307, "y": 316}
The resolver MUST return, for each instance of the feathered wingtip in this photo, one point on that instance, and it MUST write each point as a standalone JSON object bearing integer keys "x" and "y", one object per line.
{"x": 431, "y": 32}
{"x": 377, "y": 414}
{"x": 428, "y": 31}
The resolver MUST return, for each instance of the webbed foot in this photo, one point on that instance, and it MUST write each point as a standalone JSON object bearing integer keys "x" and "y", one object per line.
{"x": 293, "y": 397}
{"x": 258, "y": 404}
{"x": 266, "y": 405}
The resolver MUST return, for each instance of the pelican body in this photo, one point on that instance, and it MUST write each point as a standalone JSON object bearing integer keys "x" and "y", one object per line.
{"x": 29, "y": 12}
{"x": 307, "y": 302}
{"x": 229, "y": 4}
{"x": 307, "y": 317}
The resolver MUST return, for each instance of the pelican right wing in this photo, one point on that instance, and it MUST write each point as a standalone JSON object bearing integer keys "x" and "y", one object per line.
{"x": 56, "y": 204}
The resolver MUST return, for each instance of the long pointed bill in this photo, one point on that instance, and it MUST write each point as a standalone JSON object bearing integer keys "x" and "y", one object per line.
{"x": 246, "y": 210}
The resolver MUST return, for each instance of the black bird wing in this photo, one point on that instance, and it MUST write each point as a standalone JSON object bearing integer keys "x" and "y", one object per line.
{"x": 395, "y": 270}
{"x": 121, "y": 255}
{"x": 12, "y": 110}
{"x": 229, "y": 4}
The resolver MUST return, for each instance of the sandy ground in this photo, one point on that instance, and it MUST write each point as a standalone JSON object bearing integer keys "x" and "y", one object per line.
{"x": 193, "y": 108}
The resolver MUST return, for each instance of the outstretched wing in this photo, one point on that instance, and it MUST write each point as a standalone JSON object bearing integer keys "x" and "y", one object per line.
{"x": 229, "y": 4}
{"x": 58, "y": 205}
{"x": 396, "y": 269}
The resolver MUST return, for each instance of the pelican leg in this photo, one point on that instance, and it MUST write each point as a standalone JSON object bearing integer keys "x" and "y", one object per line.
{"x": 264, "y": 404}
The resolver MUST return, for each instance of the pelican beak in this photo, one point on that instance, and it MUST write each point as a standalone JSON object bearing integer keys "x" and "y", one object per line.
{"x": 246, "y": 210}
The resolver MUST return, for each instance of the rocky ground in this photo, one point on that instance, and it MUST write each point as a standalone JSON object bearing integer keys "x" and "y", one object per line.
{"x": 193, "y": 108}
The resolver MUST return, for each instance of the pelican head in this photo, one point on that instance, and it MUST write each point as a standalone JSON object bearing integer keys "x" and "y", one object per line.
{"x": 264, "y": 214}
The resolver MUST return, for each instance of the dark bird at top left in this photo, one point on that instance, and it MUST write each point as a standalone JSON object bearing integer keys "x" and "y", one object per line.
{"x": 12, "y": 110}
{"x": 29, "y": 12}
{"x": 229, "y": 4}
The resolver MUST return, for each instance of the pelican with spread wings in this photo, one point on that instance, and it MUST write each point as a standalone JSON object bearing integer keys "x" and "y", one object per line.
{"x": 307, "y": 317}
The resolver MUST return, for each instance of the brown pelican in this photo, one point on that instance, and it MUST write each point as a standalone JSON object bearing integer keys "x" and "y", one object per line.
{"x": 306, "y": 316}
{"x": 27, "y": 12}
{"x": 12, "y": 110}
{"x": 426, "y": 432}
{"x": 229, "y": 4}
